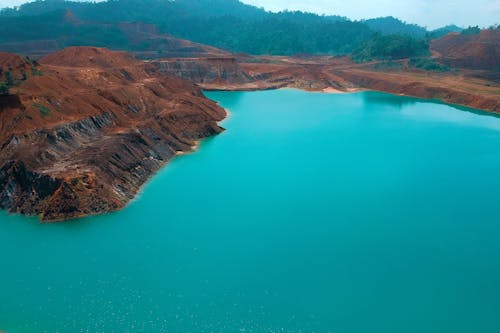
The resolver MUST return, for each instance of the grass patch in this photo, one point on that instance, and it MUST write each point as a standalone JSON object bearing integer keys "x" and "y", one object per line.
{"x": 430, "y": 65}
{"x": 387, "y": 66}
{"x": 45, "y": 111}
{"x": 36, "y": 72}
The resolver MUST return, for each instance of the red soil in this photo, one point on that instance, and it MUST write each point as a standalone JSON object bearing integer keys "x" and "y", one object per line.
{"x": 83, "y": 137}
{"x": 481, "y": 51}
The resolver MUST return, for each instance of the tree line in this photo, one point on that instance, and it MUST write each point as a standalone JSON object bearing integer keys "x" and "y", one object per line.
{"x": 227, "y": 24}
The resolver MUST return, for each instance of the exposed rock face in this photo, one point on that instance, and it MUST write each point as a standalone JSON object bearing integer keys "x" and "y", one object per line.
{"x": 481, "y": 51}
{"x": 82, "y": 140}
{"x": 203, "y": 70}
{"x": 313, "y": 73}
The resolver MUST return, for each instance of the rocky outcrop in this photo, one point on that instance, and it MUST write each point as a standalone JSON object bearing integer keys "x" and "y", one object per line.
{"x": 221, "y": 70}
{"x": 82, "y": 140}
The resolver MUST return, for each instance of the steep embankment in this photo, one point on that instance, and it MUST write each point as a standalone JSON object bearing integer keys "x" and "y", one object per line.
{"x": 254, "y": 73}
{"x": 85, "y": 135}
{"x": 206, "y": 71}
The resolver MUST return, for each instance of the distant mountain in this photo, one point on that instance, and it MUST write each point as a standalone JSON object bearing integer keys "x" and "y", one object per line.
{"x": 226, "y": 24}
{"x": 139, "y": 10}
{"x": 438, "y": 33}
{"x": 391, "y": 25}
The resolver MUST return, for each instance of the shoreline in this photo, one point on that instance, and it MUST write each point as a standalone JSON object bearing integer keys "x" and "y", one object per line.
{"x": 79, "y": 219}
{"x": 465, "y": 88}
{"x": 336, "y": 91}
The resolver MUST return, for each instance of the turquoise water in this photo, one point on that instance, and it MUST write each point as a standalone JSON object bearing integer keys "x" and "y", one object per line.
{"x": 349, "y": 213}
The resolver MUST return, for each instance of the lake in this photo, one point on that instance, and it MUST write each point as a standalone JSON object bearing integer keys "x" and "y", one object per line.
{"x": 341, "y": 213}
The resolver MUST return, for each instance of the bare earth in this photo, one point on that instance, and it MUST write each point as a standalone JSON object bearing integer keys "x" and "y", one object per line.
{"x": 465, "y": 87}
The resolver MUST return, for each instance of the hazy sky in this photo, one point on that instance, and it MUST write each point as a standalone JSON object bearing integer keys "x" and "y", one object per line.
{"x": 430, "y": 13}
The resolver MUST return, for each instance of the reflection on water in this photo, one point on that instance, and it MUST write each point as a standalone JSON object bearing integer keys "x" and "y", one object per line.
{"x": 373, "y": 98}
{"x": 414, "y": 108}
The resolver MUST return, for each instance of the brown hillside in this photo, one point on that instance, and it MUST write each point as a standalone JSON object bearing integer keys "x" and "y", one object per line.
{"x": 89, "y": 57}
{"x": 11, "y": 60}
{"x": 81, "y": 140}
{"x": 16, "y": 65}
{"x": 481, "y": 51}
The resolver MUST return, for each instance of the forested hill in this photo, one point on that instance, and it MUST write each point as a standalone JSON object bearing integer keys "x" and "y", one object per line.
{"x": 391, "y": 25}
{"x": 227, "y": 24}
{"x": 126, "y": 10}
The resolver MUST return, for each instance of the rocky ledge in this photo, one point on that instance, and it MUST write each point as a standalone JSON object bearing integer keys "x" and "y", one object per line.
{"x": 87, "y": 127}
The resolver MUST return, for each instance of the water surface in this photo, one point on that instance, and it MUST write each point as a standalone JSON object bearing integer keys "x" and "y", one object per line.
{"x": 347, "y": 213}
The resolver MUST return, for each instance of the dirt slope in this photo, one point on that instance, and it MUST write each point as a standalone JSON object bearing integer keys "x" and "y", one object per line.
{"x": 480, "y": 51}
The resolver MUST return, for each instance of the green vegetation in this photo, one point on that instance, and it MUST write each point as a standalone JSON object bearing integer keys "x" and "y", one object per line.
{"x": 8, "y": 78}
{"x": 471, "y": 31}
{"x": 393, "y": 26}
{"x": 36, "y": 72}
{"x": 438, "y": 33}
{"x": 227, "y": 24}
{"x": 388, "y": 65}
{"x": 4, "y": 89}
{"x": 45, "y": 111}
{"x": 286, "y": 35}
{"x": 54, "y": 26}
{"x": 429, "y": 65}
{"x": 6, "y": 81}
{"x": 391, "y": 47}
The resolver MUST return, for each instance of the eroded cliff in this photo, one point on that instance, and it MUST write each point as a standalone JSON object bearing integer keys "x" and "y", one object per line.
{"x": 206, "y": 71}
{"x": 84, "y": 136}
